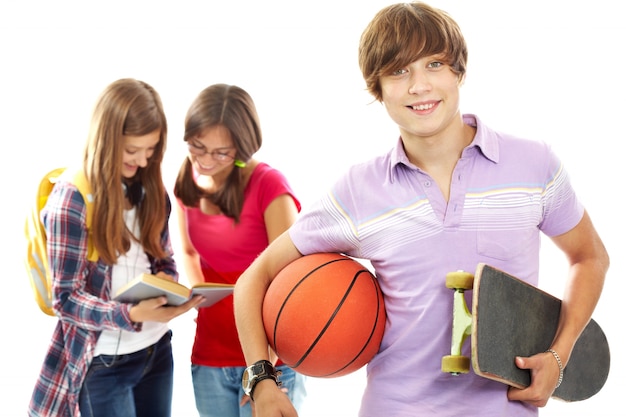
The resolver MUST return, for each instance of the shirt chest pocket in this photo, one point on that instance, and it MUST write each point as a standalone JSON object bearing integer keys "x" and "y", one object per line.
{"x": 507, "y": 245}
{"x": 508, "y": 228}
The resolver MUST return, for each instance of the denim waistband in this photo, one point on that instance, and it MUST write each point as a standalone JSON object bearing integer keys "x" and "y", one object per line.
{"x": 109, "y": 360}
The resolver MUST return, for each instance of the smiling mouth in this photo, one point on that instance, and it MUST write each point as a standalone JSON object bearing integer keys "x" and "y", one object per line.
{"x": 205, "y": 167}
{"x": 423, "y": 106}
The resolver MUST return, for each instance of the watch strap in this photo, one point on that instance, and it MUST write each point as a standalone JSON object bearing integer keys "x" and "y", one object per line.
{"x": 259, "y": 379}
{"x": 266, "y": 365}
{"x": 260, "y": 371}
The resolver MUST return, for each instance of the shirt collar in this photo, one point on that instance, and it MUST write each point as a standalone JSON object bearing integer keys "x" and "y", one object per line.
{"x": 485, "y": 140}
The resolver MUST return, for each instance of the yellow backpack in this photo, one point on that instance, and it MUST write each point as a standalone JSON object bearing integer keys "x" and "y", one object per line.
{"x": 36, "y": 258}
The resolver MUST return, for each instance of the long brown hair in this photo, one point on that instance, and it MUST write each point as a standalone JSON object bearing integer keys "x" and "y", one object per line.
{"x": 126, "y": 107}
{"x": 232, "y": 107}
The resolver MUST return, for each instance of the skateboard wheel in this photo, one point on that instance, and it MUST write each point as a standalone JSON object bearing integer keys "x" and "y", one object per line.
{"x": 455, "y": 364}
{"x": 460, "y": 280}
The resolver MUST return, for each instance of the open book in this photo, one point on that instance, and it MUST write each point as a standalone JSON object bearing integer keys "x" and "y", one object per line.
{"x": 150, "y": 286}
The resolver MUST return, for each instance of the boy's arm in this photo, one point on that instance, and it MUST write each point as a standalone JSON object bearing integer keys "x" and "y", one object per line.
{"x": 588, "y": 265}
{"x": 248, "y": 302}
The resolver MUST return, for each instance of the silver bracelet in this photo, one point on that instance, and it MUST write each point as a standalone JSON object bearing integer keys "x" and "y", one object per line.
{"x": 558, "y": 361}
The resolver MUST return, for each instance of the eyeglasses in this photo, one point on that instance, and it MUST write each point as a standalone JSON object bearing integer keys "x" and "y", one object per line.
{"x": 220, "y": 155}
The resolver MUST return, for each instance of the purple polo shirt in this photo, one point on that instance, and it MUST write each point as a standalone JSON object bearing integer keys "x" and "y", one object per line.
{"x": 504, "y": 192}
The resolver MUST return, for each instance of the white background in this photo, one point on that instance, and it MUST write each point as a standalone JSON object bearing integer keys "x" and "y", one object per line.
{"x": 548, "y": 70}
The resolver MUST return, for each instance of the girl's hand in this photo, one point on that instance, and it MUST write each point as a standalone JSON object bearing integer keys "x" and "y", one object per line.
{"x": 155, "y": 309}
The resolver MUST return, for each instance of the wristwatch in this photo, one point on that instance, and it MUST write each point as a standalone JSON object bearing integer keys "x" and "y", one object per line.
{"x": 257, "y": 372}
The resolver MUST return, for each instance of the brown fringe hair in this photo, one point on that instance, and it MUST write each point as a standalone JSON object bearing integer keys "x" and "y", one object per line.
{"x": 402, "y": 33}
{"x": 232, "y": 107}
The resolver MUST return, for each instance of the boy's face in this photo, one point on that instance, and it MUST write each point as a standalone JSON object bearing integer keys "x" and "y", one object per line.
{"x": 422, "y": 98}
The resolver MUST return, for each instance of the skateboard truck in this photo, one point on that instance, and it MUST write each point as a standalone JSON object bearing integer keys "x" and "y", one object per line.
{"x": 510, "y": 317}
{"x": 456, "y": 363}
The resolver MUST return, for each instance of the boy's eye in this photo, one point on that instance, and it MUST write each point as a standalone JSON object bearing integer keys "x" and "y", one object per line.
{"x": 399, "y": 71}
{"x": 436, "y": 64}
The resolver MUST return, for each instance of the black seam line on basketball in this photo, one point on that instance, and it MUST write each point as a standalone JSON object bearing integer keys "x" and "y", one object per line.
{"x": 280, "y": 311}
{"x": 329, "y": 321}
{"x": 377, "y": 289}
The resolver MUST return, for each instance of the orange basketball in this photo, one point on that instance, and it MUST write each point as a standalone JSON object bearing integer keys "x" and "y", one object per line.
{"x": 324, "y": 315}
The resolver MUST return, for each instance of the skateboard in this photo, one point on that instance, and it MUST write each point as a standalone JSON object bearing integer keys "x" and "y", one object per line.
{"x": 511, "y": 318}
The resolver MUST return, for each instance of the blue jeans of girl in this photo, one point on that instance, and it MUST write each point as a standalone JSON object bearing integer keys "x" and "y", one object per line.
{"x": 218, "y": 391}
{"x": 139, "y": 384}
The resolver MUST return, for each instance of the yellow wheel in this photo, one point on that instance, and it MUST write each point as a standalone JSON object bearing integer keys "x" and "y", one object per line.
{"x": 455, "y": 364}
{"x": 460, "y": 280}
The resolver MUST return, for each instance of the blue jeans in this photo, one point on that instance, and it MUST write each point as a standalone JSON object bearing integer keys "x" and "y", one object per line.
{"x": 135, "y": 385}
{"x": 218, "y": 390}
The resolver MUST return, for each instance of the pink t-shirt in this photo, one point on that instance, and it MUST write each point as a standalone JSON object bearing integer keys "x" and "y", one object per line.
{"x": 226, "y": 249}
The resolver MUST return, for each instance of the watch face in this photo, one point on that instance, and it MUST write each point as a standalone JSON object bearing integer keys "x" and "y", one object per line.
{"x": 257, "y": 372}
{"x": 246, "y": 380}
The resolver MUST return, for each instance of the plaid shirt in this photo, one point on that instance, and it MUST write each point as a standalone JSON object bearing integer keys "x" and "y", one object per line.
{"x": 82, "y": 301}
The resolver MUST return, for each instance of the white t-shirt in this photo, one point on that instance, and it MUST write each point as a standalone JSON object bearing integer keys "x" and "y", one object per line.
{"x": 128, "y": 266}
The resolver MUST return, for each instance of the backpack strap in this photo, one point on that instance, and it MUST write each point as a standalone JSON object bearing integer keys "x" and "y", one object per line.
{"x": 79, "y": 179}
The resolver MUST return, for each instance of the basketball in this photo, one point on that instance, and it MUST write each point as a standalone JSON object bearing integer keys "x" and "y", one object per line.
{"x": 324, "y": 315}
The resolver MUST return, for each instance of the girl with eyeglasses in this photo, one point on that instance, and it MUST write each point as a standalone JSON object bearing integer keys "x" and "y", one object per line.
{"x": 230, "y": 207}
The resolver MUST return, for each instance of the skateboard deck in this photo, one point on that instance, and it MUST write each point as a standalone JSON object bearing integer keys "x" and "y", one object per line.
{"x": 511, "y": 318}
